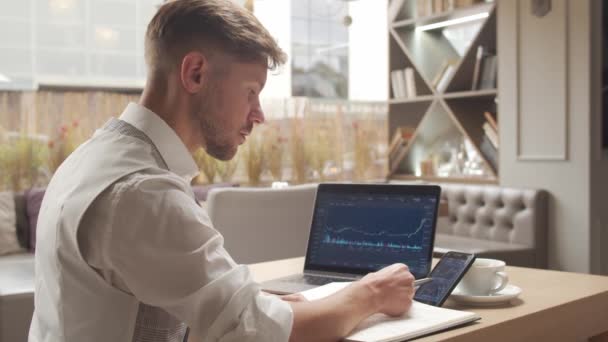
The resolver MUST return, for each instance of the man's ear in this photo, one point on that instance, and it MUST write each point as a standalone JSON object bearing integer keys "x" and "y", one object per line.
{"x": 192, "y": 72}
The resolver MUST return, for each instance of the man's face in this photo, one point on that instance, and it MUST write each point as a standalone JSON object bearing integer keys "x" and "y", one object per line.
{"x": 230, "y": 106}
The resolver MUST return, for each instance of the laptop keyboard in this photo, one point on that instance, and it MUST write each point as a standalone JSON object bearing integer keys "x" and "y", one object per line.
{"x": 313, "y": 279}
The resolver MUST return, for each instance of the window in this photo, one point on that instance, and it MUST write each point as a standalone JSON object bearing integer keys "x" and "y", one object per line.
{"x": 319, "y": 48}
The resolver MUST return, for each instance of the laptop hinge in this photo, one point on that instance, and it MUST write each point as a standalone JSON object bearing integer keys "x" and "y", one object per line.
{"x": 334, "y": 275}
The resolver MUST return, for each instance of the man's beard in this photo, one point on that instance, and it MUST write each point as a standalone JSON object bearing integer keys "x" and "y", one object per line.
{"x": 217, "y": 144}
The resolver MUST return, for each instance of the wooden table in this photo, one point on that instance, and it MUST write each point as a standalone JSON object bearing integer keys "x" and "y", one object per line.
{"x": 554, "y": 306}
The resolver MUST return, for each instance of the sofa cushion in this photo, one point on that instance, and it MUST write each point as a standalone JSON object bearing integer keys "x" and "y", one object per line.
{"x": 33, "y": 198}
{"x": 16, "y": 296}
{"x": 23, "y": 226}
{"x": 8, "y": 224}
{"x": 446, "y": 242}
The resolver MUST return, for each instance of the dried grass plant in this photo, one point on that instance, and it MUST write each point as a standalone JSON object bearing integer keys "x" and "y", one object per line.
{"x": 319, "y": 148}
{"x": 363, "y": 145}
{"x": 227, "y": 169}
{"x": 67, "y": 139}
{"x": 274, "y": 149}
{"x": 254, "y": 158}
{"x": 297, "y": 147}
{"x": 206, "y": 164}
{"x": 299, "y": 156}
{"x": 21, "y": 162}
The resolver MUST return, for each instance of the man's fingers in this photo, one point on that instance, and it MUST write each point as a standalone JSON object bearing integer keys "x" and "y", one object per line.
{"x": 294, "y": 297}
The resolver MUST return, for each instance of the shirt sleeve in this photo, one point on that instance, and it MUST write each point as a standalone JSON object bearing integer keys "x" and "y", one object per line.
{"x": 163, "y": 247}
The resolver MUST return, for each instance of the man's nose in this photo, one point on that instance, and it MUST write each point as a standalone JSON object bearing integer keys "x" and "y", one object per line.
{"x": 257, "y": 115}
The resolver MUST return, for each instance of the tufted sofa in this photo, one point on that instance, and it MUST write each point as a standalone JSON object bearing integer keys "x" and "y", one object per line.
{"x": 490, "y": 221}
{"x": 496, "y": 222}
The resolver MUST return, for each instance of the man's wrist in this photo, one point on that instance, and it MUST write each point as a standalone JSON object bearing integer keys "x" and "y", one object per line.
{"x": 367, "y": 295}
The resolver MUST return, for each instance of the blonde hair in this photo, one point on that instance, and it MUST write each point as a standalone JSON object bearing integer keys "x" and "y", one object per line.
{"x": 181, "y": 26}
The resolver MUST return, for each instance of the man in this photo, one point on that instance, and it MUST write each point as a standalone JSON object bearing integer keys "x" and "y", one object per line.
{"x": 124, "y": 252}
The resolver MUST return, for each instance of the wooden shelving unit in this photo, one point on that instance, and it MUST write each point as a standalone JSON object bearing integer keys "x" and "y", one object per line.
{"x": 446, "y": 118}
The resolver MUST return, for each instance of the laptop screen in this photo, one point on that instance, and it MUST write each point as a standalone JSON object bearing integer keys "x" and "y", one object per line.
{"x": 360, "y": 228}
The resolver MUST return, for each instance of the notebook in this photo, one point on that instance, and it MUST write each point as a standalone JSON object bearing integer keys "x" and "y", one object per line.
{"x": 361, "y": 228}
{"x": 422, "y": 319}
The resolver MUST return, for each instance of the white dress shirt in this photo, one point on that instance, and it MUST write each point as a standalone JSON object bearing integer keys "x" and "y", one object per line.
{"x": 145, "y": 236}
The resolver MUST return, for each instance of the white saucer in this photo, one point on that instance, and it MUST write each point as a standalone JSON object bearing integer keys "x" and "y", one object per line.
{"x": 501, "y": 297}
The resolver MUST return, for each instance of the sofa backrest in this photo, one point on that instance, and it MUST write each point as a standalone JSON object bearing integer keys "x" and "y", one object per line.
{"x": 496, "y": 213}
{"x": 263, "y": 224}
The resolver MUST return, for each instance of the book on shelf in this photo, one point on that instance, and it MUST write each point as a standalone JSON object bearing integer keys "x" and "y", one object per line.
{"x": 395, "y": 84}
{"x": 478, "y": 59}
{"x": 410, "y": 82}
{"x": 421, "y": 319}
{"x": 490, "y": 152}
{"x": 467, "y": 3}
{"x": 491, "y": 134}
{"x": 395, "y": 157}
{"x": 492, "y": 119}
{"x": 403, "y": 83}
{"x": 439, "y": 73}
{"x": 449, "y": 5}
{"x": 398, "y": 84}
{"x": 402, "y": 135}
{"x": 424, "y": 8}
{"x": 444, "y": 81}
{"x": 489, "y": 68}
{"x": 437, "y": 6}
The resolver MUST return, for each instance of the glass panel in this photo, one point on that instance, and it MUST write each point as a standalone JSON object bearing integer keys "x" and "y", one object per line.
{"x": 299, "y": 31}
{"x": 319, "y": 8}
{"x": 339, "y": 32}
{"x": 60, "y": 12}
{"x": 320, "y": 33}
{"x": 141, "y": 67}
{"x": 60, "y": 36}
{"x": 15, "y": 61}
{"x": 300, "y": 8}
{"x": 15, "y": 34}
{"x": 108, "y": 38}
{"x": 110, "y": 65}
{"x": 319, "y": 50}
{"x": 147, "y": 10}
{"x": 15, "y": 9}
{"x": 140, "y": 35}
{"x": 50, "y": 62}
{"x": 113, "y": 13}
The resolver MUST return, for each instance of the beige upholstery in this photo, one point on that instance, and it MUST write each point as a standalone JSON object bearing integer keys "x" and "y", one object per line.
{"x": 263, "y": 224}
{"x": 497, "y": 222}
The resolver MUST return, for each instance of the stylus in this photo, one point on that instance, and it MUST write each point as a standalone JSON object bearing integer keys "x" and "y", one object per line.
{"x": 422, "y": 281}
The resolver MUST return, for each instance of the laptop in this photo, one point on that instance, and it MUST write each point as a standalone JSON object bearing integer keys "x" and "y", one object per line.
{"x": 361, "y": 228}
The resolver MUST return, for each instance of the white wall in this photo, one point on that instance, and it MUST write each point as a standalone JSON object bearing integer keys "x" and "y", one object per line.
{"x": 368, "y": 51}
{"x": 275, "y": 15}
{"x": 546, "y": 122}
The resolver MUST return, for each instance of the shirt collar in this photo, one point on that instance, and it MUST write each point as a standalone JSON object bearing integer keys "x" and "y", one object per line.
{"x": 171, "y": 148}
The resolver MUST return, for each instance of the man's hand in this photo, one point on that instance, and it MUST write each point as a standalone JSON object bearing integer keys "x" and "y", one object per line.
{"x": 294, "y": 297}
{"x": 392, "y": 289}
{"x": 387, "y": 291}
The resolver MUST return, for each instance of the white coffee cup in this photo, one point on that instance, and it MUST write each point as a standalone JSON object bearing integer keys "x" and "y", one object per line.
{"x": 484, "y": 278}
